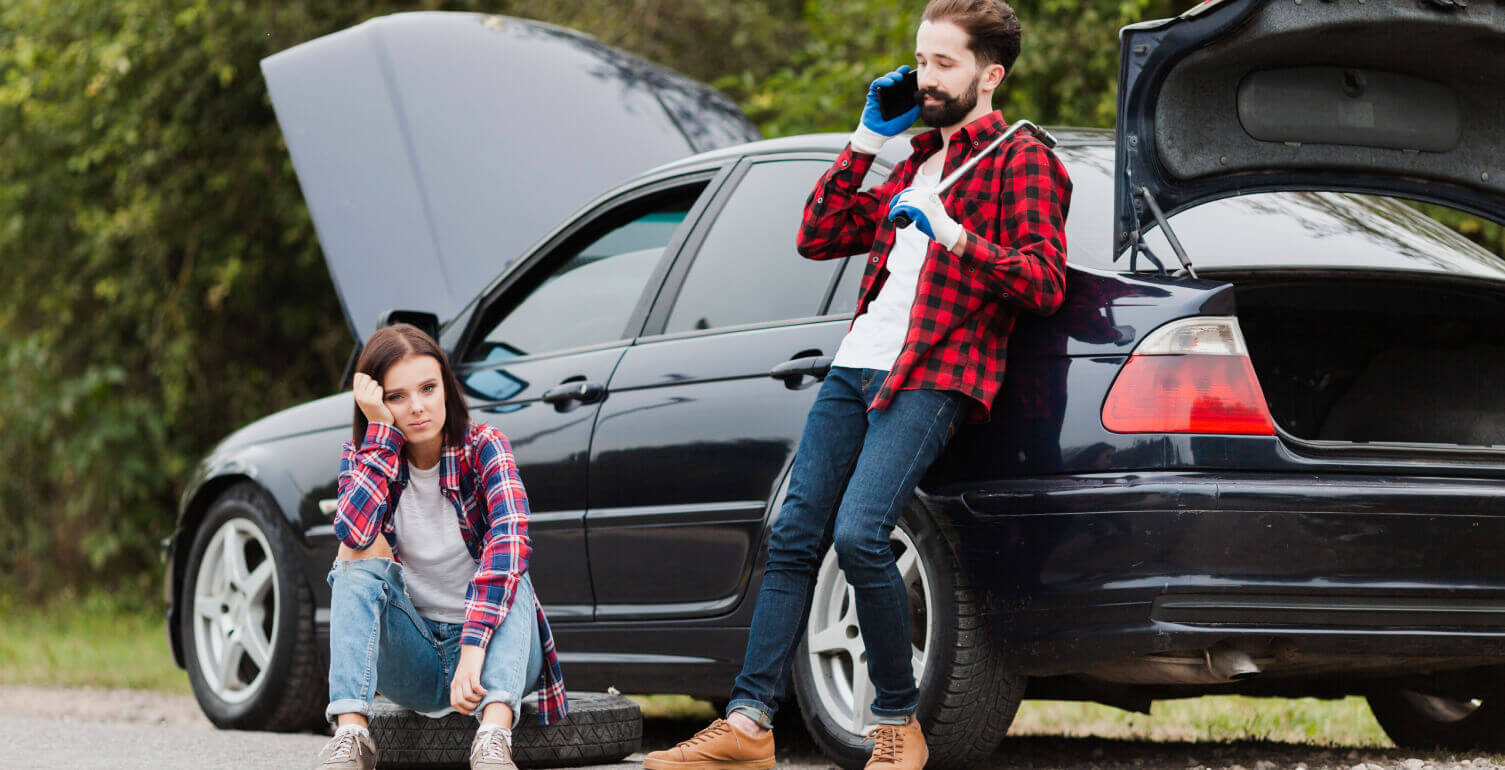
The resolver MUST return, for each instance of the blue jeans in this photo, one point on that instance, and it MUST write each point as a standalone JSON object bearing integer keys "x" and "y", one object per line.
{"x": 378, "y": 641}
{"x": 880, "y": 457}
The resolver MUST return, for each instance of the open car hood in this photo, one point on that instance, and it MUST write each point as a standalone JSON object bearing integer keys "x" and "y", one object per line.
{"x": 1393, "y": 97}
{"x": 434, "y": 148}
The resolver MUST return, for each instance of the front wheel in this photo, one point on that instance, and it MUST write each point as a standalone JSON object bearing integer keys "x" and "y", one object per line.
{"x": 247, "y": 619}
{"x": 1421, "y": 721}
{"x": 967, "y": 697}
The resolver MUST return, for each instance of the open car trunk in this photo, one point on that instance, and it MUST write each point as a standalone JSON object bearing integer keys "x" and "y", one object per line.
{"x": 1345, "y": 358}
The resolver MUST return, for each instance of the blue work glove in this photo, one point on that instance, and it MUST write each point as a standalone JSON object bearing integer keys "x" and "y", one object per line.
{"x": 924, "y": 207}
{"x": 873, "y": 131}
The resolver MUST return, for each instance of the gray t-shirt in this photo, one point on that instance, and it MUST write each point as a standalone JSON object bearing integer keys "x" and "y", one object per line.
{"x": 436, "y": 564}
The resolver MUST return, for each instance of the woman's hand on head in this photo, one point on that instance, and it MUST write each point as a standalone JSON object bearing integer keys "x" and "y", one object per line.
{"x": 368, "y": 396}
{"x": 465, "y": 690}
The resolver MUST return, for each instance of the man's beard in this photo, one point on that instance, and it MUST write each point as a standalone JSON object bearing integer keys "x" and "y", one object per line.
{"x": 951, "y": 109}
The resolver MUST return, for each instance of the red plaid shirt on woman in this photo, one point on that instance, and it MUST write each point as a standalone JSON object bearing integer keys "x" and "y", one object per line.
{"x": 1013, "y": 206}
{"x": 481, "y": 480}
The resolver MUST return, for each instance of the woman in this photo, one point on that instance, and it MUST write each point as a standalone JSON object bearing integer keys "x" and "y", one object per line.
{"x": 430, "y": 598}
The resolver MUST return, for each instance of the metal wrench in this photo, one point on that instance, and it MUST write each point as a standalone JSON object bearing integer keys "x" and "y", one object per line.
{"x": 904, "y": 220}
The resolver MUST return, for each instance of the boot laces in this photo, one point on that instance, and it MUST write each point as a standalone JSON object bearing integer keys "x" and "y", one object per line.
{"x": 888, "y": 741}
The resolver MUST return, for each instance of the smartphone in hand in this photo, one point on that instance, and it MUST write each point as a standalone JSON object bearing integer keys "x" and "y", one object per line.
{"x": 899, "y": 98}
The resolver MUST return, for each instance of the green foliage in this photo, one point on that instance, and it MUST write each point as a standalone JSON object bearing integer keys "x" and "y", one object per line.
{"x": 164, "y": 284}
{"x": 1066, "y": 73}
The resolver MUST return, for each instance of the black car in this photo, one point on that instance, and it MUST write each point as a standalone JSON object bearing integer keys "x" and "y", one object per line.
{"x": 1260, "y": 451}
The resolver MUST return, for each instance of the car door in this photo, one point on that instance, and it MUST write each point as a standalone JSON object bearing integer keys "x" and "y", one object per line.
{"x": 540, "y": 354}
{"x": 697, "y": 436}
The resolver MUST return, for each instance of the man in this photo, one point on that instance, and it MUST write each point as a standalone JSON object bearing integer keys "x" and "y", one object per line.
{"x": 924, "y": 353}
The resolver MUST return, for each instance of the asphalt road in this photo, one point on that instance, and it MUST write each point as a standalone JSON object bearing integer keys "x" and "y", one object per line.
{"x": 53, "y": 743}
{"x": 61, "y": 728}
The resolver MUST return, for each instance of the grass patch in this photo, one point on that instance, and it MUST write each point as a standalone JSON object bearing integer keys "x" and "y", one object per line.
{"x": 1214, "y": 718}
{"x": 90, "y": 641}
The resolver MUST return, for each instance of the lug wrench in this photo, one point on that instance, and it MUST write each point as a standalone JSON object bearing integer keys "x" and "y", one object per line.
{"x": 904, "y": 220}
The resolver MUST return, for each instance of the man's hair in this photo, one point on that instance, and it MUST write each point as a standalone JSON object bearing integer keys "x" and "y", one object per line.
{"x": 992, "y": 25}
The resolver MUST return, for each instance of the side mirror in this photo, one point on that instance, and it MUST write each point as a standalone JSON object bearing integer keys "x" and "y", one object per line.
{"x": 428, "y": 323}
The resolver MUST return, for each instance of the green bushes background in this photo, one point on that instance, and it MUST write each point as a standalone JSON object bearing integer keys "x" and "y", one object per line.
{"x": 162, "y": 281}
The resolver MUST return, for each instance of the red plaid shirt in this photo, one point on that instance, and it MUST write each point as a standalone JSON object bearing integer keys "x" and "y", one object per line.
{"x": 481, "y": 480}
{"x": 1013, "y": 206}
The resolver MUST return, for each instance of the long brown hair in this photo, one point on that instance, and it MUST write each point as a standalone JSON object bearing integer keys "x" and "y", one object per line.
{"x": 393, "y": 343}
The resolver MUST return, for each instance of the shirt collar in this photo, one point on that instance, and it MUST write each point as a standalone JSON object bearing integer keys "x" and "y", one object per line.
{"x": 984, "y": 128}
{"x": 449, "y": 468}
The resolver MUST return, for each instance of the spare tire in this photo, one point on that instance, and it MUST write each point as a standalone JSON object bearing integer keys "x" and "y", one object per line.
{"x": 600, "y": 729}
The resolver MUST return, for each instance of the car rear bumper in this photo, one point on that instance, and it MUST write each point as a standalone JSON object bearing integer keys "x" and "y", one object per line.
{"x": 1081, "y": 570}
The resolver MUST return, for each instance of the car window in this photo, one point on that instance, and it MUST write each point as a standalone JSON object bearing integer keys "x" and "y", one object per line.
{"x": 747, "y": 269}
{"x": 589, "y": 295}
{"x": 844, "y": 299}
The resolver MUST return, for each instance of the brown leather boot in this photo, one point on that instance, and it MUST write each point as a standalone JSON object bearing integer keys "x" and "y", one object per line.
{"x": 718, "y": 747}
{"x": 899, "y": 747}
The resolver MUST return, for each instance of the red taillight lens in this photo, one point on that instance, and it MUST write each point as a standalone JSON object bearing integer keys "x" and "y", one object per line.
{"x": 1187, "y": 394}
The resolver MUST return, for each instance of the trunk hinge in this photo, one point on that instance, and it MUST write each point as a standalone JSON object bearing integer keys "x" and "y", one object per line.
{"x": 1170, "y": 235}
{"x": 1139, "y": 199}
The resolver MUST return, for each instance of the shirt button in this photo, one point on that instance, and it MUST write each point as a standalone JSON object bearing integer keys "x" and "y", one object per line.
{"x": 875, "y": 260}
{"x": 843, "y": 164}
{"x": 974, "y": 143}
{"x": 821, "y": 199}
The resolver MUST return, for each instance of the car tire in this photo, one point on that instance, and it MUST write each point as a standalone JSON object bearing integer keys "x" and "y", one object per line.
{"x": 246, "y": 619}
{"x": 599, "y": 729}
{"x": 967, "y": 696}
{"x": 1417, "y": 720}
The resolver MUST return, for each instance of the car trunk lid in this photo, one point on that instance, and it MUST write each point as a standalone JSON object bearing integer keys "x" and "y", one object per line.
{"x": 1394, "y": 97}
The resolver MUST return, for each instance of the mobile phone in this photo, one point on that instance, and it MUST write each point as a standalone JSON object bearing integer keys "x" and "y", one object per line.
{"x": 899, "y": 98}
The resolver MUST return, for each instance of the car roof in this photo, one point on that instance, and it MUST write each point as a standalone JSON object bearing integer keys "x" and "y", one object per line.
{"x": 832, "y": 143}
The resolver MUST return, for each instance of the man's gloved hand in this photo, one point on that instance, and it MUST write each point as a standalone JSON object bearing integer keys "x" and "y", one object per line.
{"x": 924, "y": 207}
{"x": 873, "y": 131}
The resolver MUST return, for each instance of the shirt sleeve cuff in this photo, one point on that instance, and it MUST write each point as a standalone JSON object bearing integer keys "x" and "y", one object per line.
{"x": 867, "y": 140}
{"x": 478, "y": 634}
{"x": 383, "y": 436}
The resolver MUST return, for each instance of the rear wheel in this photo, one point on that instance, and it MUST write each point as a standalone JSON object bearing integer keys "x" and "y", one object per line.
{"x": 1418, "y": 720}
{"x": 967, "y": 698}
{"x": 247, "y": 619}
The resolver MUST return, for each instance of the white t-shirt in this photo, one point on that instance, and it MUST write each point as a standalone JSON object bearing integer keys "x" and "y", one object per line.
{"x": 435, "y": 562}
{"x": 877, "y": 336}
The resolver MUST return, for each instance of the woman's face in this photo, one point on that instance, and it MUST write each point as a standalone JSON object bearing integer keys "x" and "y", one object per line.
{"x": 414, "y": 392}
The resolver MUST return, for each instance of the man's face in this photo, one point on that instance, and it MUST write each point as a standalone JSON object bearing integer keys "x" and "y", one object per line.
{"x": 949, "y": 75}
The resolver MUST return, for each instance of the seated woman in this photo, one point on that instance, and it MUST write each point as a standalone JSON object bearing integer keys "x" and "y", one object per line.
{"x": 431, "y": 602}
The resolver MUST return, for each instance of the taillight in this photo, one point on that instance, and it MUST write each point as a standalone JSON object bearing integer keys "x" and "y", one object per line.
{"x": 1189, "y": 376}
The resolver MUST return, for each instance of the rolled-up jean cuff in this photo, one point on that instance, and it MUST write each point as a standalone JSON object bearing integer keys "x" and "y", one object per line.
{"x": 515, "y": 702}
{"x": 346, "y": 706}
{"x": 753, "y": 710}
{"x": 890, "y": 719}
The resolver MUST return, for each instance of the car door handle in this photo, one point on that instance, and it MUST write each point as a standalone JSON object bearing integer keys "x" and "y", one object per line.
{"x": 578, "y": 391}
{"x": 794, "y": 370}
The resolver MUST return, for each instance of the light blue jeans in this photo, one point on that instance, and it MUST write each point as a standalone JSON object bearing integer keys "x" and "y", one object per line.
{"x": 379, "y": 642}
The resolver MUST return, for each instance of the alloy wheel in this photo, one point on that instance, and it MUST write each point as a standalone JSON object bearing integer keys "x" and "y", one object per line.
{"x": 838, "y": 656}
{"x": 235, "y": 601}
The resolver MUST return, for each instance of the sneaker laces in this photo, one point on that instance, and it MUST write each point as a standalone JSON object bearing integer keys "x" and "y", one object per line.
{"x": 888, "y": 740}
{"x": 344, "y": 744}
{"x": 493, "y": 746}
{"x": 714, "y": 730}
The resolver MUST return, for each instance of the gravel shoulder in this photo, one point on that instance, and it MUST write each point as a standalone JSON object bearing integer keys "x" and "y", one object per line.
{"x": 85, "y": 728}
